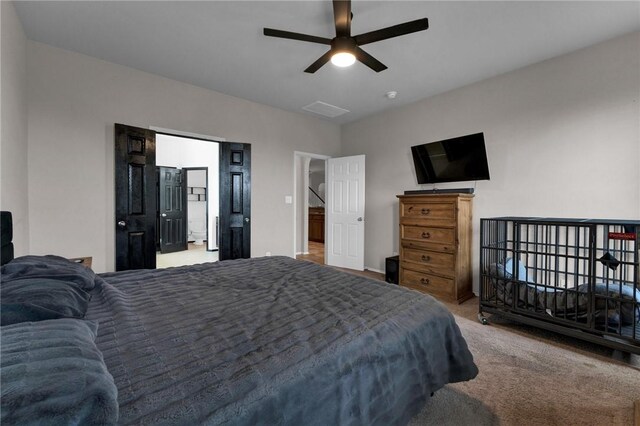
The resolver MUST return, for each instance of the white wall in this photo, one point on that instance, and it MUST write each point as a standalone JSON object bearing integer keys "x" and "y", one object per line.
{"x": 14, "y": 181}
{"x": 179, "y": 152}
{"x": 73, "y": 102}
{"x": 563, "y": 139}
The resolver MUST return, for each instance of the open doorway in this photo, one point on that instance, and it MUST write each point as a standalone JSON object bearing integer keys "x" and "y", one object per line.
{"x": 344, "y": 182}
{"x": 310, "y": 201}
{"x": 136, "y": 196}
{"x": 316, "y": 214}
{"x": 187, "y": 210}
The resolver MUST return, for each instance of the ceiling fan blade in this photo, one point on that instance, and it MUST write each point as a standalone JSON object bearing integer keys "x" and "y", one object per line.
{"x": 342, "y": 17}
{"x": 369, "y": 60}
{"x": 394, "y": 31}
{"x": 296, "y": 36}
{"x": 320, "y": 62}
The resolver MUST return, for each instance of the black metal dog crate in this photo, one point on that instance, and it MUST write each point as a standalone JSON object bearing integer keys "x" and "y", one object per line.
{"x": 579, "y": 277}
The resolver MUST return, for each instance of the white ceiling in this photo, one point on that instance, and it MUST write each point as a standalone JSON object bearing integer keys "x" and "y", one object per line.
{"x": 219, "y": 45}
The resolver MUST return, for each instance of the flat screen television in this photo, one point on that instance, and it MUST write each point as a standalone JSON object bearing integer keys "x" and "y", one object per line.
{"x": 451, "y": 160}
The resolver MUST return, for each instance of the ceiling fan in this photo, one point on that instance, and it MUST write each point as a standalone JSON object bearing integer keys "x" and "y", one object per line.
{"x": 345, "y": 49}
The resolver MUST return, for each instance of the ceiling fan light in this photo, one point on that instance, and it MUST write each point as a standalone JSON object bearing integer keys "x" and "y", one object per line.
{"x": 343, "y": 59}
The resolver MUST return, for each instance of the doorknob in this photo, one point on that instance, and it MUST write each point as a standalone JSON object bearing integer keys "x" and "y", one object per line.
{"x": 164, "y": 215}
{"x": 359, "y": 219}
{"x": 246, "y": 219}
{"x": 122, "y": 223}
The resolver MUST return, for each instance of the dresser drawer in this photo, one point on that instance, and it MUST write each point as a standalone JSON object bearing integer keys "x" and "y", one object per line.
{"x": 427, "y": 260}
{"x": 428, "y": 234}
{"x": 428, "y": 283}
{"x": 431, "y": 211}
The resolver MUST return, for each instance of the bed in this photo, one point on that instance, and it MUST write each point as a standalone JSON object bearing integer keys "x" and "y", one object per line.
{"x": 255, "y": 341}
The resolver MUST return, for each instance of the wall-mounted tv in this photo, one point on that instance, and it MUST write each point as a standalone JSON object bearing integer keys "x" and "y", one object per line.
{"x": 451, "y": 160}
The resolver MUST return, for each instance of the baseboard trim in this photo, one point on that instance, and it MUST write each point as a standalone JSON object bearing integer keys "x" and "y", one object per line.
{"x": 366, "y": 268}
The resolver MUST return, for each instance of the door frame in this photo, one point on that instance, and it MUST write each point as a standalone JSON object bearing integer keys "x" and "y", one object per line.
{"x": 300, "y": 156}
{"x": 188, "y": 135}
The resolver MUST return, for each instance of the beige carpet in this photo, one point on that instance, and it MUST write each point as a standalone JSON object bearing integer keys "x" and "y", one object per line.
{"x": 525, "y": 381}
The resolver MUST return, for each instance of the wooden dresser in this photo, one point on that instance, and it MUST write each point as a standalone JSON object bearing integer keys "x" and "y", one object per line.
{"x": 435, "y": 245}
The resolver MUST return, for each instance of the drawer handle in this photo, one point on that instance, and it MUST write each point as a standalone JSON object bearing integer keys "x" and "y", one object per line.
{"x": 410, "y": 208}
{"x": 426, "y": 258}
{"x": 424, "y": 281}
{"x": 426, "y": 235}
{"x": 425, "y": 211}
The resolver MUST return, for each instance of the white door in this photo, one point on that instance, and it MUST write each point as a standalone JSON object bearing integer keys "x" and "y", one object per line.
{"x": 345, "y": 212}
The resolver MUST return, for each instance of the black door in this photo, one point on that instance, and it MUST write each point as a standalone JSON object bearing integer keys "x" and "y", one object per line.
{"x": 173, "y": 209}
{"x": 235, "y": 200}
{"x": 135, "y": 175}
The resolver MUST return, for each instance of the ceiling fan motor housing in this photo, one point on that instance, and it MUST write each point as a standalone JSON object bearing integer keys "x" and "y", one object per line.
{"x": 343, "y": 44}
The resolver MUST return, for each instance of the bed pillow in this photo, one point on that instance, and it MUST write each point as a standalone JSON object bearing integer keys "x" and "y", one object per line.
{"x": 623, "y": 307}
{"x": 522, "y": 270}
{"x": 37, "y": 299}
{"x": 53, "y": 373}
{"x": 49, "y": 266}
{"x": 505, "y": 272}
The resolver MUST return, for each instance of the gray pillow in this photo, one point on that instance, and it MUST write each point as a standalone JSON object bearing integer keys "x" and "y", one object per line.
{"x": 49, "y": 266}
{"x": 37, "y": 299}
{"x": 522, "y": 270}
{"x": 53, "y": 374}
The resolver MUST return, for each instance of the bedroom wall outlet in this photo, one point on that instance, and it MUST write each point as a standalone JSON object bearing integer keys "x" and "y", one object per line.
{"x": 288, "y": 199}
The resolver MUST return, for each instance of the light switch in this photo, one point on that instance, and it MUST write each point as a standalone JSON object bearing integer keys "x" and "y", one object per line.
{"x": 288, "y": 199}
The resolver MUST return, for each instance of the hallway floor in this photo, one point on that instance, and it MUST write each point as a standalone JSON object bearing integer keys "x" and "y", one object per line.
{"x": 316, "y": 255}
{"x": 195, "y": 254}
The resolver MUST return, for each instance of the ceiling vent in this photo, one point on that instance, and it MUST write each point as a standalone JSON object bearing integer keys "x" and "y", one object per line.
{"x": 325, "y": 109}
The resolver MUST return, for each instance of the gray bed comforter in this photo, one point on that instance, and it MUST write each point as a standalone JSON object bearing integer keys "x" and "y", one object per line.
{"x": 272, "y": 341}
